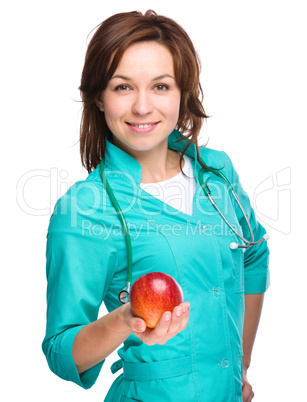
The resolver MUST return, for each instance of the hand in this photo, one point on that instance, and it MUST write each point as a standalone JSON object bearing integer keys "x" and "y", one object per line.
{"x": 247, "y": 391}
{"x": 168, "y": 326}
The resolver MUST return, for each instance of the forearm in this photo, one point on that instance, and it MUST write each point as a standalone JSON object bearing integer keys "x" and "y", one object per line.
{"x": 253, "y": 307}
{"x": 99, "y": 339}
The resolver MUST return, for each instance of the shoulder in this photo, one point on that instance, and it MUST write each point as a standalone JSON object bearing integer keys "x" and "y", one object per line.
{"x": 85, "y": 192}
{"x": 217, "y": 159}
{"x": 83, "y": 199}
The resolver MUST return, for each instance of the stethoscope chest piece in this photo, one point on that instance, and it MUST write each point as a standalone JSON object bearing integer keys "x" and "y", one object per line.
{"x": 124, "y": 294}
{"x": 207, "y": 192}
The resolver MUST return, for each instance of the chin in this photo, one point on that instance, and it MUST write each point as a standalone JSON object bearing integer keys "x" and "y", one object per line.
{"x": 141, "y": 145}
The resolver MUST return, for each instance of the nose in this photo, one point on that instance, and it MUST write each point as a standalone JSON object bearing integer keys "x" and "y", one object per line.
{"x": 142, "y": 104}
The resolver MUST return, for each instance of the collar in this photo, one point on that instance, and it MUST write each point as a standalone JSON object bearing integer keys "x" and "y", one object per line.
{"x": 118, "y": 160}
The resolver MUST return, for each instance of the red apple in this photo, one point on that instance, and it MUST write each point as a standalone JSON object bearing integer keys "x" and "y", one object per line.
{"x": 152, "y": 294}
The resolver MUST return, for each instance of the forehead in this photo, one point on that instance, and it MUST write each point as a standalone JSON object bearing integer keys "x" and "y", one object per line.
{"x": 146, "y": 57}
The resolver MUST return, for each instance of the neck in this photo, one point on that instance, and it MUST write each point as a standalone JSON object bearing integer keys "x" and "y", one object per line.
{"x": 158, "y": 164}
{"x": 161, "y": 168}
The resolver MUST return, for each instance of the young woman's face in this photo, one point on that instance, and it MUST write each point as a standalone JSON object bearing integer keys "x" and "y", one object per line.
{"x": 141, "y": 101}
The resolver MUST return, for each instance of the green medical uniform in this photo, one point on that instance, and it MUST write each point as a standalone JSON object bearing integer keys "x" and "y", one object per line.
{"x": 87, "y": 265}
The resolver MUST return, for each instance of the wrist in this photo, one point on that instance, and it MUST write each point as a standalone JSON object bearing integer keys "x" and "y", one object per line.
{"x": 246, "y": 363}
{"x": 123, "y": 327}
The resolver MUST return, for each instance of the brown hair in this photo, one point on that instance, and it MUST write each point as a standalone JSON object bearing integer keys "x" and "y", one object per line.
{"x": 104, "y": 52}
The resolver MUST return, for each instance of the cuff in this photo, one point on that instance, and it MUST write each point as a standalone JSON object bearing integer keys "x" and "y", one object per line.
{"x": 256, "y": 283}
{"x": 62, "y": 362}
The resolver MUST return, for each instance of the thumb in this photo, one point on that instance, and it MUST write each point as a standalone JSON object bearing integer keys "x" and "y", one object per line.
{"x": 136, "y": 324}
{"x": 139, "y": 325}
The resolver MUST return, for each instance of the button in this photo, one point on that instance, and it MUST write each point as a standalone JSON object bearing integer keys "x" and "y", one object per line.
{"x": 224, "y": 363}
{"x": 216, "y": 291}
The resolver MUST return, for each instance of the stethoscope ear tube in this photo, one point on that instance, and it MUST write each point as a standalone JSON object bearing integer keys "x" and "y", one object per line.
{"x": 234, "y": 245}
{"x": 207, "y": 192}
{"x": 123, "y": 296}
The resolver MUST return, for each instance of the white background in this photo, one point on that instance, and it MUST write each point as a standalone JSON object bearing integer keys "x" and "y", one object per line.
{"x": 254, "y": 80}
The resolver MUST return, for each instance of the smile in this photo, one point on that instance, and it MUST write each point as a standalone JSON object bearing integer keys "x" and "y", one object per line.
{"x": 140, "y": 125}
{"x": 143, "y": 127}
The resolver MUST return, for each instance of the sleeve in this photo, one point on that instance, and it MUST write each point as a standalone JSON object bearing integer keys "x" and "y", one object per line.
{"x": 79, "y": 265}
{"x": 256, "y": 258}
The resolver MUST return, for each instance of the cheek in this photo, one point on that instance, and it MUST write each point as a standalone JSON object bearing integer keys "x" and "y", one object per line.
{"x": 172, "y": 106}
{"x": 114, "y": 108}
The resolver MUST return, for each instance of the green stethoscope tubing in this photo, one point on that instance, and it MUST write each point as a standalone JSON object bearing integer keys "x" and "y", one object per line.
{"x": 124, "y": 293}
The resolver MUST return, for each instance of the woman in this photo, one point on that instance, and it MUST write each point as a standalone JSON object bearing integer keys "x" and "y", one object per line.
{"x": 141, "y": 119}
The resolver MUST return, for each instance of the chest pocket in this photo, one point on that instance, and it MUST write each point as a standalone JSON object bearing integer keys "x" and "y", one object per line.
{"x": 239, "y": 269}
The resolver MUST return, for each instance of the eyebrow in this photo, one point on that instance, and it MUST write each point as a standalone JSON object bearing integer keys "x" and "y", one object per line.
{"x": 160, "y": 77}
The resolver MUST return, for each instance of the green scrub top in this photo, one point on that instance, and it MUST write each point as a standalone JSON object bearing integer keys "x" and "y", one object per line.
{"x": 87, "y": 265}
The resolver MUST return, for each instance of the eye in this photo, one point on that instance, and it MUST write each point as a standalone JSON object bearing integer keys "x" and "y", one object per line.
{"x": 161, "y": 87}
{"x": 122, "y": 88}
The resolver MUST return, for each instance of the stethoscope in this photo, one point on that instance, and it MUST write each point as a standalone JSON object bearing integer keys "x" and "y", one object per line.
{"x": 123, "y": 295}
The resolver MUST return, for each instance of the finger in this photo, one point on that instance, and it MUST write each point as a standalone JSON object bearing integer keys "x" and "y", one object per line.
{"x": 162, "y": 327}
{"x": 139, "y": 325}
{"x": 247, "y": 392}
{"x": 185, "y": 318}
{"x": 179, "y": 319}
{"x": 161, "y": 333}
{"x": 136, "y": 324}
{"x": 185, "y": 307}
{"x": 157, "y": 334}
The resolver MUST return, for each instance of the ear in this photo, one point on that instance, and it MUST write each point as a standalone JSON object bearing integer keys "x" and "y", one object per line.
{"x": 99, "y": 103}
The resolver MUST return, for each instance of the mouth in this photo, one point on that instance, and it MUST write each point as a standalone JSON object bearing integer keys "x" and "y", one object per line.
{"x": 143, "y": 125}
{"x": 142, "y": 128}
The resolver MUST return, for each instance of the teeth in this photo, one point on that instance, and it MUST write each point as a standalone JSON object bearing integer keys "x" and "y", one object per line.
{"x": 142, "y": 125}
